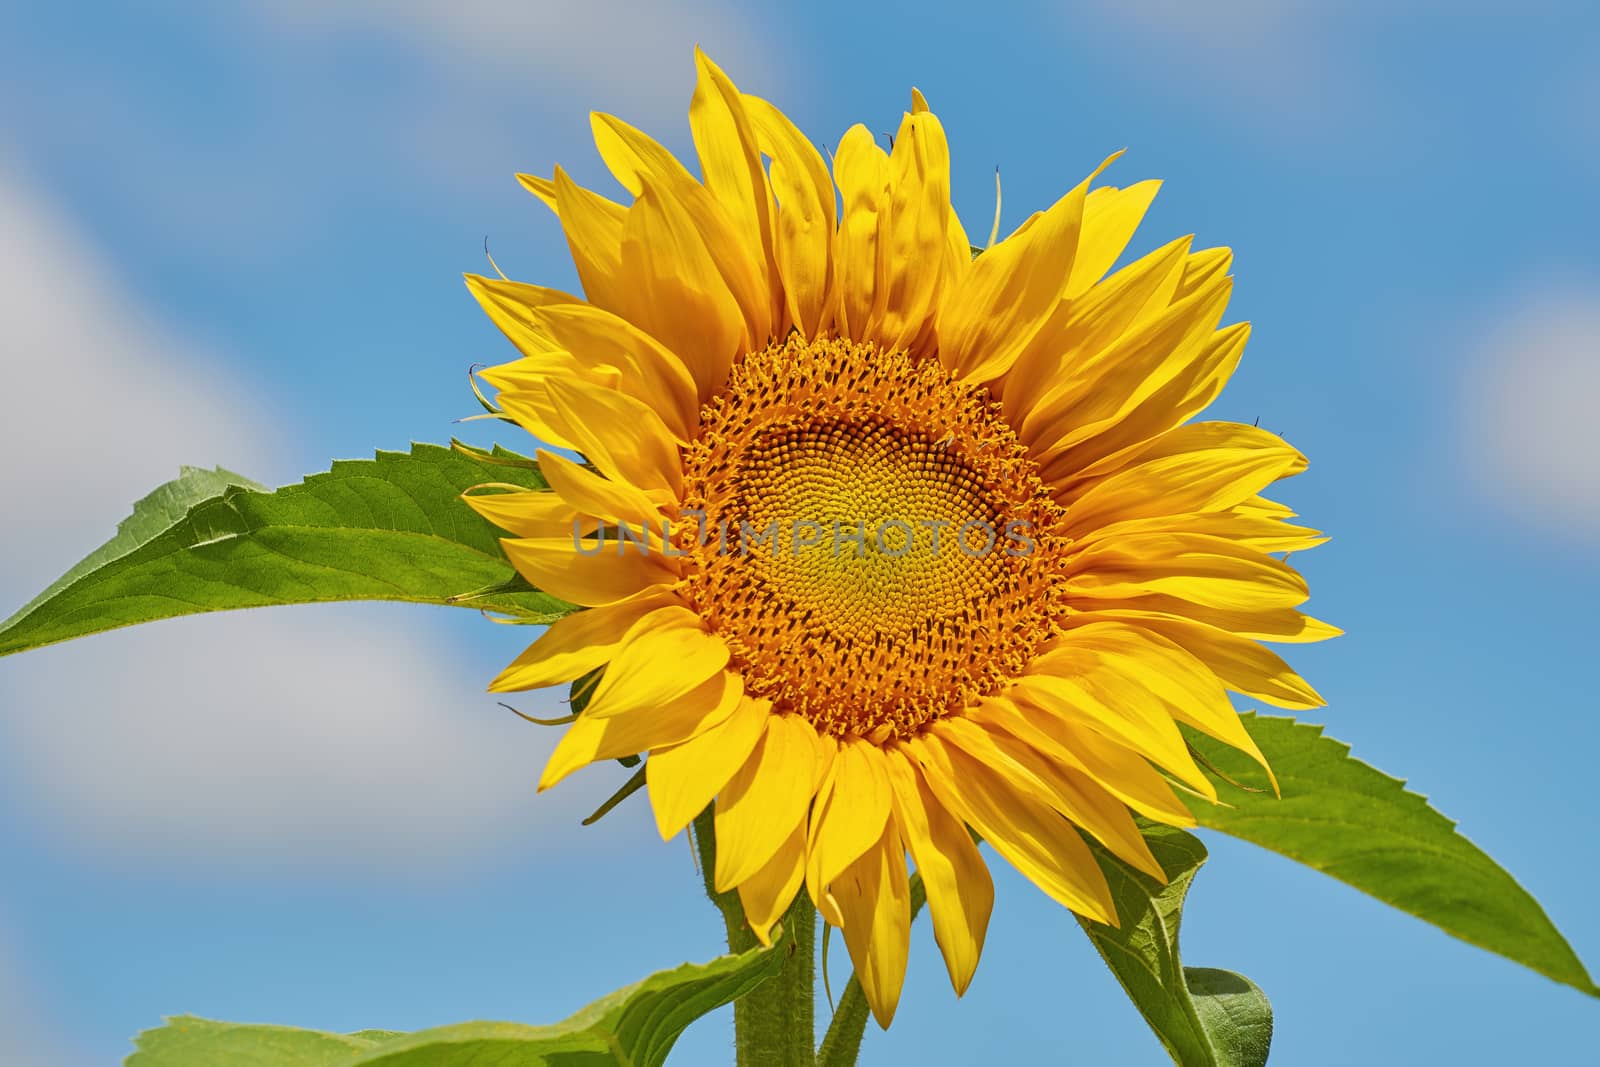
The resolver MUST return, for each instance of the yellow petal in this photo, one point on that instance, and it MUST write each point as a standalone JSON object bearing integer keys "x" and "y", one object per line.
{"x": 1027, "y": 832}
{"x": 673, "y": 290}
{"x": 914, "y": 257}
{"x": 509, "y": 306}
{"x": 594, "y": 229}
{"x": 530, "y": 373}
{"x": 1203, "y": 269}
{"x": 597, "y": 496}
{"x": 805, "y": 220}
{"x": 1110, "y": 216}
{"x": 1069, "y": 791}
{"x": 1075, "y": 685}
{"x": 529, "y": 513}
{"x": 533, "y": 410}
{"x": 1204, "y": 466}
{"x": 861, "y": 170}
{"x": 1283, "y": 625}
{"x": 765, "y": 798}
{"x": 874, "y": 898}
{"x": 683, "y": 778}
{"x": 663, "y": 656}
{"x": 960, "y": 891}
{"x": 578, "y": 643}
{"x": 1251, "y": 529}
{"x": 1195, "y": 382}
{"x": 1146, "y": 662}
{"x": 640, "y": 163}
{"x": 767, "y": 893}
{"x": 543, "y": 188}
{"x": 1208, "y": 571}
{"x": 852, "y": 806}
{"x": 617, "y": 571}
{"x": 1118, "y": 770}
{"x": 622, "y": 437}
{"x": 652, "y": 374}
{"x": 589, "y": 739}
{"x": 730, "y": 160}
{"x": 1131, "y": 370}
{"x": 1241, "y": 664}
{"x": 1011, "y": 291}
{"x": 1042, "y": 380}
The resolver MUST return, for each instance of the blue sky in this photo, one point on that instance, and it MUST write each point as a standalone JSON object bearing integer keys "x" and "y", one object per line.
{"x": 235, "y": 234}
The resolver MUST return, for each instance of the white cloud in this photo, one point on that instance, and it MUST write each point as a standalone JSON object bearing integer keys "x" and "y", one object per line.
{"x": 338, "y": 736}
{"x": 101, "y": 402}
{"x": 1530, "y": 410}
{"x": 434, "y": 104}
{"x": 280, "y": 737}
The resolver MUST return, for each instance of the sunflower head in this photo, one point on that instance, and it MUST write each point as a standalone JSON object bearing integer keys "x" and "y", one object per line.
{"x": 882, "y": 545}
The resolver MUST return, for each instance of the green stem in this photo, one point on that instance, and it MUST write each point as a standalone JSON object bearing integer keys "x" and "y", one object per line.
{"x": 774, "y": 1024}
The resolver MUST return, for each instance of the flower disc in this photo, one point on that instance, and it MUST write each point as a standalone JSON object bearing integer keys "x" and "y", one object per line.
{"x": 876, "y": 543}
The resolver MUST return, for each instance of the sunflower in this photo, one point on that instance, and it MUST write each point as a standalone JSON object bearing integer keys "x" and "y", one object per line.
{"x": 884, "y": 546}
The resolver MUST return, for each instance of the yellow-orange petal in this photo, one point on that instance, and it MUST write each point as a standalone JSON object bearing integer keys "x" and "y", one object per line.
{"x": 673, "y": 290}
{"x": 960, "y": 890}
{"x": 861, "y": 171}
{"x": 1110, "y": 216}
{"x": 764, "y": 798}
{"x": 852, "y": 806}
{"x": 650, "y": 373}
{"x": 576, "y": 644}
{"x": 527, "y": 512}
{"x": 621, "y": 436}
{"x": 1119, "y": 770}
{"x": 805, "y": 216}
{"x": 616, "y": 571}
{"x": 1011, "y": 291}
{"x": 663, "y": 656}
{"x": 593, "y": 495}
{"x": 730, "y": 160}
{"x": 913, "y": 258}
{"x": 1031, "y": 836}
{"x": 874, "y": 899}
{"x": 683, "y": 778}
{"x": 1240, "y": 663}
{"x": 767, "y": 893}
{"x": 594, "y": 228}
{"x": 589, "y": 739}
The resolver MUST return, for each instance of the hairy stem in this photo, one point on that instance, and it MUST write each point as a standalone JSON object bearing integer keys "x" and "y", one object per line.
{"x": 774, "y": 1023}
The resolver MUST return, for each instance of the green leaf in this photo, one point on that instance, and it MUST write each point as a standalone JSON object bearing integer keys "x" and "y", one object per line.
{"x": 389, "y": 528}
{"x": 1346, "y": 819}
{"x": 633, "y": 1027}
{"x": 1234, "y": 1011}
{"x": 1204, "y": 1017}
{"x": 190, "y": 1042}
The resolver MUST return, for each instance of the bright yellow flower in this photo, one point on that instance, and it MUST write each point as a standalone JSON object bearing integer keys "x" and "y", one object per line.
{"x": 803, "y": 401}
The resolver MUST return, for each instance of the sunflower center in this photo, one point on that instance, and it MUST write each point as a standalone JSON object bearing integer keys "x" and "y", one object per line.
{"x": 877, "y": 549}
